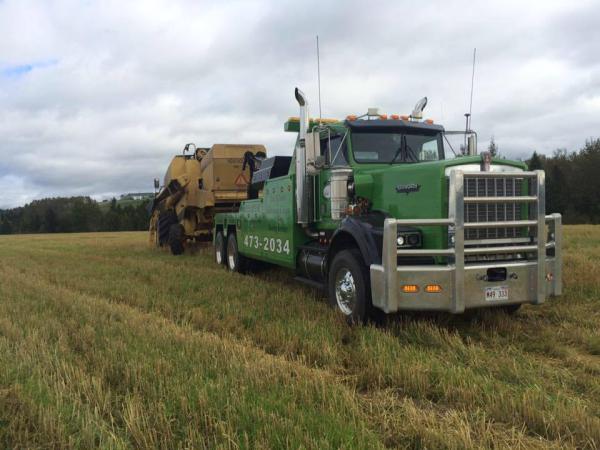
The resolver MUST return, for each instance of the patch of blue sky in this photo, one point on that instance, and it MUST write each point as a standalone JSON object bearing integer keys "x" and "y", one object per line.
{"x": 22, "y": 69}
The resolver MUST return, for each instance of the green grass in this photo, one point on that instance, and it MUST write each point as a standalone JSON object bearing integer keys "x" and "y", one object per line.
{"x": 107, "y": 343}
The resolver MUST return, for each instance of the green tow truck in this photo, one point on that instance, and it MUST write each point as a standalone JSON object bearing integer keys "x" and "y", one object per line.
{"x": 370, "y": 210}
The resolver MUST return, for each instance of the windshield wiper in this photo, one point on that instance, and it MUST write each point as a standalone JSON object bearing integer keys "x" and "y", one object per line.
{"x": 409, "y": 154}
{"x": 402, "y": 146}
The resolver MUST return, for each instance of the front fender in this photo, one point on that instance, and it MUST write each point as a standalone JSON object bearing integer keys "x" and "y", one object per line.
{"x": 367, "y": 234}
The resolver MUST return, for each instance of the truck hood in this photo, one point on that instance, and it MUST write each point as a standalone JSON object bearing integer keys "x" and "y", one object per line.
{"x": 417, "y": 191}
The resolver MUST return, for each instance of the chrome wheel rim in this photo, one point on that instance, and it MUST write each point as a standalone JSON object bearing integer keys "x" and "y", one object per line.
{"x": 231, "y": 255}
{"x": 218, "y": 251}
{"x": 345, "y": 291}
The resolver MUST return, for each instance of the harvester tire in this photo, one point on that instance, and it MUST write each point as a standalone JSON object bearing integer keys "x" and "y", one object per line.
{"x": 165, "y": 220}
{"x": 176, "y": 237}
{"x": 235, "y": 261}
{"x": 348, "y": 286}
{"x": 153, "y": 230}
{"x": 220, "y": 249}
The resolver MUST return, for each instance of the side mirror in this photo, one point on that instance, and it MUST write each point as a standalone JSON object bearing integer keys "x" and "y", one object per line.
{"x": 472, "y": 145}
{"x": 312, "y": 145}
{"x": 156, "y": 183}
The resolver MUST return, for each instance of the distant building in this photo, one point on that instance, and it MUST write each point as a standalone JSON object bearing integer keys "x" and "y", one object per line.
{"x": 137, "y": 196}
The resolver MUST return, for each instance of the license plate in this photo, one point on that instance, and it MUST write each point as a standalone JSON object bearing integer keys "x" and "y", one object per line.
{"x": 496, "y": 293}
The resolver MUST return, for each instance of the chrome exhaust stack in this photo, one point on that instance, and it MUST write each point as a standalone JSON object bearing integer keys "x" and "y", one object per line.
{"x": 303, "y": 206}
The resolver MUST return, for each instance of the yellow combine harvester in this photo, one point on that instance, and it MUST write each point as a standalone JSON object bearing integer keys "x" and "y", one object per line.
{"x": 199, "y": 183}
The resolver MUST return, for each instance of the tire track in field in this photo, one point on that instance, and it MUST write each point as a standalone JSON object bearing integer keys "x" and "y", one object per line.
{"x": 134, "y": 319}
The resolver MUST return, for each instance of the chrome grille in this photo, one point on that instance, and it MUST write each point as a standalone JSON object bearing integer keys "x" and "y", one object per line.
{"x": 492, "y": 212}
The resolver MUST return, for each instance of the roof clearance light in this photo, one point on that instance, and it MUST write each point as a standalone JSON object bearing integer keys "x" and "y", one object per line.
{"x": 383, "y": 116}
{"x": 433, "y": 288}
{"x": 410, "y": 288}
{"x": 429, "y": 121}
{"x": 351, "y": 117}
{"x": 404, "y": 117}
{"x": 394, "y": 117}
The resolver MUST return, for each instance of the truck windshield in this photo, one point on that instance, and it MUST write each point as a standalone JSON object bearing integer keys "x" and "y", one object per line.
{"x": 394, "y": 147}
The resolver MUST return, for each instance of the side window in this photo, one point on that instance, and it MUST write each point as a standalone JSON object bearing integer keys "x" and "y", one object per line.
{"x": 339, "y": 152}
{"x": 429, "y": 151}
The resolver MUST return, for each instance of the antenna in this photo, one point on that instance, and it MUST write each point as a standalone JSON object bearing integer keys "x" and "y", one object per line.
{"x": 468, "y": 115}
{"x": 472, "y": 82}
{"x": 319, "y": 77}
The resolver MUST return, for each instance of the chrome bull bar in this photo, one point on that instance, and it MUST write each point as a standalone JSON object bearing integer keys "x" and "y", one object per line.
{"x": 385, "y": 277}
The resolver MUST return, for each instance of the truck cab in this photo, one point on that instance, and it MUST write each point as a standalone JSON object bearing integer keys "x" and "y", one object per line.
{"x": 371, "y": 210}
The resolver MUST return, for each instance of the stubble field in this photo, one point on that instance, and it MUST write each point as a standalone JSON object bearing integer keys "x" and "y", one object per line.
{"x": 106, "y": 343}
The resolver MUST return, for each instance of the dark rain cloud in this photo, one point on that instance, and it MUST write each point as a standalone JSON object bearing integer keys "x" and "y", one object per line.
{"x": 97, "y": 96}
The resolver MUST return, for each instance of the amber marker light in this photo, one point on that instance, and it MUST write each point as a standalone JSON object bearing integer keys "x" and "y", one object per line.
{"x": 410, "y": 288}
{"x": 404, "y": 117}
{"x": 395, "y": 117}
{"x": 433, "y": 288}
{"x": 429, "y": 121}
{"x": 383, "y": 116}
{"x": 351, "y": 117}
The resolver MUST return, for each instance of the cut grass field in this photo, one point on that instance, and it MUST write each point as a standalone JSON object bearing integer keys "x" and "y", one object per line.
{"x": 107, "y": 343}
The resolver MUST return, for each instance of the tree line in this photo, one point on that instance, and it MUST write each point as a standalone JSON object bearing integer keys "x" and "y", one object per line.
{"x": 73, "y": 214}
{"x": 572, "y": 182}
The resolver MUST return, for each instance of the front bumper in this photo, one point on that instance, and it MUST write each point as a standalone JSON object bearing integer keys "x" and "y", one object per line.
{"x": 521, "y": 284}
{"x": 463, "y": 285}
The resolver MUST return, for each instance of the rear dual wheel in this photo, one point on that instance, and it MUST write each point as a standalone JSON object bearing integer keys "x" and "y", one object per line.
{"x": 235, "y": 261}
{"x": 220, "y": 249}
{"x": 227, "y": 252}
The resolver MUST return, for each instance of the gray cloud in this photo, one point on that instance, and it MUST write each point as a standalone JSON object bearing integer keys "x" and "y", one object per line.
{"x": 97, "y": 96}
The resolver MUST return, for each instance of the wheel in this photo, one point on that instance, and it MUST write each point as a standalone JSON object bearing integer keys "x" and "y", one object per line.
{"x": 165, "y": 220}
{"x": 153, "y": 230}
{"x": 235, "y": 261}
{"x": 349, "y": 286}
{"x": 176, "y": 237}
{"x": 220, "y": 251}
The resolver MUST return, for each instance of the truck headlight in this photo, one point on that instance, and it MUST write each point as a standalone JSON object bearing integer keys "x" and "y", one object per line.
{"x": 407, "y": 239}
{"x": 413, "y": 240}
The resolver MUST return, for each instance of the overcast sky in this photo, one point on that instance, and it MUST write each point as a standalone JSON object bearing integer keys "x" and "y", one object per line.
{"x": 96, "y": 96}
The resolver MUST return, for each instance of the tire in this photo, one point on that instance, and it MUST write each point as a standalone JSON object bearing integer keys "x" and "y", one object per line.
{"x": 349, "y": 286}
{"x": 153, "y": 230}
{"x": 220, "y": 249}
{"x": 176, "y": 238}
{"x": 165, "y": 220}
{"x": 235, "y": 261}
